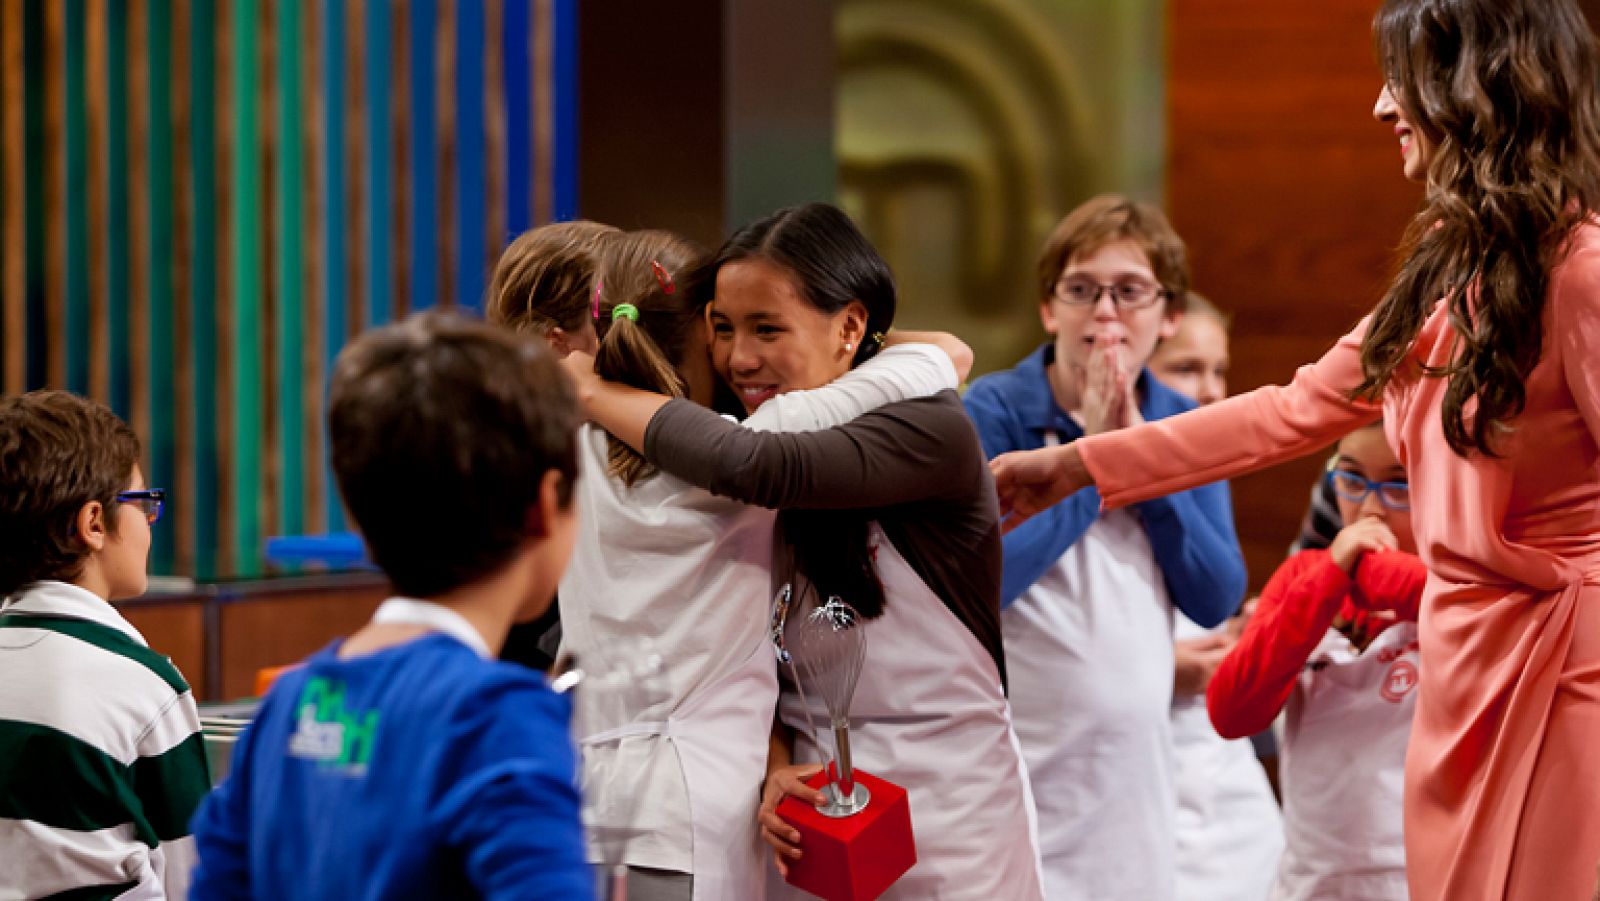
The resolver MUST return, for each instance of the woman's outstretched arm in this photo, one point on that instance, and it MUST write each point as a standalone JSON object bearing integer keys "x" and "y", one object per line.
{"x": 1242, "y": 434}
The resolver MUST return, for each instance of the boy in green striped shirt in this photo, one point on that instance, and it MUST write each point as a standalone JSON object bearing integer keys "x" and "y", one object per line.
{"x": 102, "y": 762}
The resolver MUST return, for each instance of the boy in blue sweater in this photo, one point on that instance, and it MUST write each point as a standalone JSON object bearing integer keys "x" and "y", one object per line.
{"x": 1088, "y": 597}
{"x": 405, "y": 761}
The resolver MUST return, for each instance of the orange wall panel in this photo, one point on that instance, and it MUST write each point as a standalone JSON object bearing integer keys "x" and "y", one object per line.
{"x": 1289, "y": 195}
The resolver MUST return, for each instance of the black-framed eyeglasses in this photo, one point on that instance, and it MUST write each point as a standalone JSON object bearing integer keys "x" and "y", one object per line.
{"x": 1131, "y": 294}
{"x": 1354, "y": 488}
{"x": 151, "y": 501}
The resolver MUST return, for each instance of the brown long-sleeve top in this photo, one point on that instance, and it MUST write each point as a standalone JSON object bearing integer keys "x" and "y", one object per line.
{"x": 915, "y": 467}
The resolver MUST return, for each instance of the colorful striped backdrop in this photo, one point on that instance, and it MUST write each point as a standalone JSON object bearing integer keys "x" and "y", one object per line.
{"x": 203, "y": 201}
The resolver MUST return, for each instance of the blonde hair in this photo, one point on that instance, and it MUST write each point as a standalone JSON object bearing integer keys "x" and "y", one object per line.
{"x": 644, "y": 270}
{"x": 544, "y": 279}
{"x": 1196, "y": 304}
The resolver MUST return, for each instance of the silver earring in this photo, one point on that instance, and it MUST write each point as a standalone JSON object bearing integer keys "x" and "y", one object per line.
{"x": 849, "y": 347}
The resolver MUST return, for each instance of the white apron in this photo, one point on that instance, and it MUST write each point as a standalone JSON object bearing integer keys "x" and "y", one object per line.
{"x": 668, "y": 567}
{"x": 929, "y": 715}
{"x": 1347, "y": 725}
{"x": 1089, "y": 652}
{"x": 1229, "y": 828}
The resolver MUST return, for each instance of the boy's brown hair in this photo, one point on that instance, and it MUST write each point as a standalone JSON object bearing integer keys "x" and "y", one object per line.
{"x": 645, "y": 269}
{"x": 1113, "y": 217}
{"x": 58, "y": 451}
{"x": 545, "y": 278}
{"x": 442, "y": 429}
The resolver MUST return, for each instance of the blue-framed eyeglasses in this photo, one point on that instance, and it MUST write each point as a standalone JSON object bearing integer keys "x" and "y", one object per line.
{"x": 1354, "y": 488}
{"x": 151, "y": 501}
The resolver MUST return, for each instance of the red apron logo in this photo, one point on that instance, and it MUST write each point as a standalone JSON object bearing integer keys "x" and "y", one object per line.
{"x": 1398, "y": 683}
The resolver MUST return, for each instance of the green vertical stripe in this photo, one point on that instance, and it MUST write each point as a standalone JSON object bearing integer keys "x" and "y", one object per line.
{"x": 162, "y": 439}
{"x": 34, "y": 154}
{"x": 335, "y": 267}
{"x": 116, "y": 226}
{"x": 77, "y": 236}
{"x": 291, "y": 319}
{"x": 246, "y": 294}
{"x": 203, "y": 281}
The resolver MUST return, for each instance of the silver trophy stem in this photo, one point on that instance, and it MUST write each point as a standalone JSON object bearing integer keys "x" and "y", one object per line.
{"x": 847, "y": 774}
{"x": 844, "y": 796}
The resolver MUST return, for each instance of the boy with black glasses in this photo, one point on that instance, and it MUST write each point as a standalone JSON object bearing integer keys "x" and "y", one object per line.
{"x": 102, "y": 762}
{"x": 1088, "y": 596}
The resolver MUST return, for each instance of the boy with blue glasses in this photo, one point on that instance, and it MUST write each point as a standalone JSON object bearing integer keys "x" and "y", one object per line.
{"x": 101, "y": 757}
{"x": 1333, "y": 643}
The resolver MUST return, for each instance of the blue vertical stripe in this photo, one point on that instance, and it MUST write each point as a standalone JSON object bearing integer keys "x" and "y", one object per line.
{"x": 334, "y": 324}
{"x": 291, "y": 300}
{"x": 517, "y": 53}
{"x": 424, "y": 158}
{"x": 77, "y": 232}
{"x": 247, "y": 278}
{"x": 163, "y": 437}
{"x": 379, "y": 304}
{"x": 203, "y": 284}
{"x": 564, "y": 165}
{"x": 471, "y": 257}
{"x": 118, "y": 337}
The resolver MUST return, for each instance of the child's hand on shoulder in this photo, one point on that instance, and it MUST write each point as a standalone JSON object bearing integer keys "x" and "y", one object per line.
{"x": 1359, "y": 538}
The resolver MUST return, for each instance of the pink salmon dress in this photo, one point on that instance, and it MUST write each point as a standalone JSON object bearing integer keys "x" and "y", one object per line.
{"x": 1502, "y": 794}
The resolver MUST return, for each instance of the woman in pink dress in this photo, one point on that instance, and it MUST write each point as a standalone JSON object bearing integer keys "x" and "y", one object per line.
{"x": 1482, "y": 360}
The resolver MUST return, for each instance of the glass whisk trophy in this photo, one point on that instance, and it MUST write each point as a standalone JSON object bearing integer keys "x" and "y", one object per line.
{"x": 859, "y": 840}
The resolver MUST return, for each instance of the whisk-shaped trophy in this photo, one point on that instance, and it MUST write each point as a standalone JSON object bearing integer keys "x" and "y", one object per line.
{"x": 858, "y": 841}
{"x": 828, "y": 647}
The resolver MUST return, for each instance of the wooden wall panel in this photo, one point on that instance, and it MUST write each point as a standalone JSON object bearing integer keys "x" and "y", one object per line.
{"x": 1290, "y": 197}
{"x": 274, "y": 628}
{"x": 176, "y": 629}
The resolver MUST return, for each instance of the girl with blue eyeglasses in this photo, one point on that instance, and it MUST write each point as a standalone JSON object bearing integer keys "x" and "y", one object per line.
{"x": 1333, "y": 643}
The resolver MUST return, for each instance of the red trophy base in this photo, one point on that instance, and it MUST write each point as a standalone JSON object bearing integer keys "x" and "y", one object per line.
{"x": 853, "y": 858}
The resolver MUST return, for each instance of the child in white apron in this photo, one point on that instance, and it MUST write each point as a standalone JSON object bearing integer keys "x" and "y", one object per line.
{"x": 797, "y": 301}
{"x": 1333, "y": 643}
{"x": 1089, "y": 597}
{"x": 664, "y": 566}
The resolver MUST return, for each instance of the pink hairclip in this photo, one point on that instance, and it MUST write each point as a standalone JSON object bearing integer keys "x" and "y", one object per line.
{"x": 663, "y": 277}
{"x": 594, "y": 303}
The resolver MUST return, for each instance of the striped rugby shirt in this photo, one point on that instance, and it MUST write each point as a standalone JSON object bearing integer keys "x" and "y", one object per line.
{"x": 102, "y": 762}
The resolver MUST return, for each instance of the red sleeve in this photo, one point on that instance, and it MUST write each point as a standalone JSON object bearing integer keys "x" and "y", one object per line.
{"x": 1390, "y": 580}
{"x": 1292, "y": 615}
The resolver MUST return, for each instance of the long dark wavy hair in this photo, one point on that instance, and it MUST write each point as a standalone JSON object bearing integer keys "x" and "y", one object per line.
{"x": 1506, "y": 92}
{"x": 834, "y": 264}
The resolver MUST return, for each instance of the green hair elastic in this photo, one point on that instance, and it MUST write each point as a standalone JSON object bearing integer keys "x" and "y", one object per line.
{"x": 625, "y": 311}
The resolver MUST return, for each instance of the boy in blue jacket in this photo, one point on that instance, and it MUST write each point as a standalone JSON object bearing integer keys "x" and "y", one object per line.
{"x": 405, "y": 761}
{"x": 1088, "y": 597}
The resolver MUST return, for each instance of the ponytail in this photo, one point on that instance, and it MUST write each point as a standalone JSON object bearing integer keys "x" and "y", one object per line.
{"x": 629, "y": 355}
{"x": 644, "y": 322}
